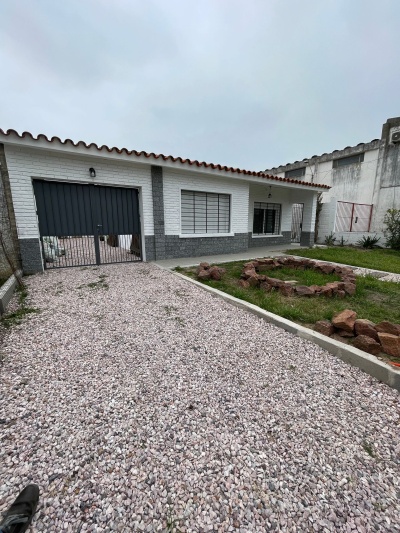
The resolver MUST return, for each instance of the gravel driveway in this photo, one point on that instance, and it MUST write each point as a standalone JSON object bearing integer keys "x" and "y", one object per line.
{"x": 152, "y": 406}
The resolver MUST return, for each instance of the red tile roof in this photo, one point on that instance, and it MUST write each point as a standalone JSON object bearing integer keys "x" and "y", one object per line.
{"x": 163, "y": 157}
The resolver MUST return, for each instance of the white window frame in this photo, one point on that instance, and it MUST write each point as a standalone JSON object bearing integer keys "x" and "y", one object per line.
{"x": 201, "y": 235}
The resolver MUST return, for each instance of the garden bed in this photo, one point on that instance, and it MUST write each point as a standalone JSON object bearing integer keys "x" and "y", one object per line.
{"x": 373, "y": 300}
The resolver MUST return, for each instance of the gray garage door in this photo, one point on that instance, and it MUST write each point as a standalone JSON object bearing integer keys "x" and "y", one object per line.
{"x": 87, "y": 224}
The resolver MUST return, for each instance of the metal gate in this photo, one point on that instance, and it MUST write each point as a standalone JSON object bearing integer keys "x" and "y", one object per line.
{"x": 297, "y": 222}
{"x": 353, "y": 217}
{"x": 83, "y": 224}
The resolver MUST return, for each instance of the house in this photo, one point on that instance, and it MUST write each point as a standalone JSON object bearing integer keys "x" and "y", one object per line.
{"x": 78, "y": 203}
{"x": 364, "y": 183}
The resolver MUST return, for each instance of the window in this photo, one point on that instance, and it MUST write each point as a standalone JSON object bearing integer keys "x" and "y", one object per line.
{"x": 205, "y": 212}
{"x": 267, "y": 219}
{"x": 296, "y": 173}
{"x": 350, "y": 160}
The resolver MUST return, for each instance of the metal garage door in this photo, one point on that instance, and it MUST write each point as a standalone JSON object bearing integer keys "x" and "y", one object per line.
{"x": 87, "y": 224}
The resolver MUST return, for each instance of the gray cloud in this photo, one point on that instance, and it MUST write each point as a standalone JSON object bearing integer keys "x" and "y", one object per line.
{"x": 245, "y": 83}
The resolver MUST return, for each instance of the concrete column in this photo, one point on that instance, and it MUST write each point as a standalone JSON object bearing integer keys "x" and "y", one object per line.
{"x": 308, "y": 229}
{"x": 158, "y": 212}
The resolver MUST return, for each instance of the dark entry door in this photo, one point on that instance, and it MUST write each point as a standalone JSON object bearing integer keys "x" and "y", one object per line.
{"x": 297, "y": 222}
{"x": 87, "y": 224}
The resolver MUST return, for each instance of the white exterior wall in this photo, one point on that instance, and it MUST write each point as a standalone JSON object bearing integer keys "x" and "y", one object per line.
{"x": 175, "y": 181}
{"x": 25, "y": 163}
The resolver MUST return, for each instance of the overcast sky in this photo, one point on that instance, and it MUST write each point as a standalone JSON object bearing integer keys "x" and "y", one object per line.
{"x": 248, "y": 83}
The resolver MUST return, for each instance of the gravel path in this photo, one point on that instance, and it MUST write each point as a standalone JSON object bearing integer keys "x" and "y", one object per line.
{"x": 153, "y": 406}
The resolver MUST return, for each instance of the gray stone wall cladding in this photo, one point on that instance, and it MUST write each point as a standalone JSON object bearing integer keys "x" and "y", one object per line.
{"x": 150, "y": 248}
{"x": 158, "y": 212}
{"x": 254, "y": 242}
{"x": 307, "y": 238}
{"x": 176, "y": 246}
{"x": 31, "y": 256}
{"x": 8, "y": 225}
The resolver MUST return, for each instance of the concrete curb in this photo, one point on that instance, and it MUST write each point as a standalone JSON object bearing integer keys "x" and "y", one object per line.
{"x": 353, "y": 356}
{"x": 7, "y": 290}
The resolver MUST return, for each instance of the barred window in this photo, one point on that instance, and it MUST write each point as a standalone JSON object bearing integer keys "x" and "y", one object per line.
{"x": 267, "y": 219}
{"x": 205, "y": 212}
{"x": 350, "y": 160}
{"x": 296, "y": 173}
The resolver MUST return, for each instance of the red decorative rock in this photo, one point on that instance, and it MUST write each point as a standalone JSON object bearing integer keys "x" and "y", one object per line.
{"x": 326, "y": 268}
{"x": 286, "y": 290}
{"x": 345, "y": 320}
{"x": 302, "y": 290}
{"x": 204, "y": 265}
{"x": 248, "y": 273}
{"x": 325, "y": 327}
{"x": 344, "y": 333}
{"x": 275, "y": 282}
{"x": 216, "y": 273}
{"x": 390, "y": 344}
{"x": 367, "y": 344}
{"x": 326, "y": 292}
{"x": 387, "y": 327}
{"x": 365, "y": 328}
{"x": 204, "y": 275}
{"x": 267, "y": 287}
{"x": 349, "y": 288}
{"x": 340, "y": 294}
{"x": 253, "y": 280}
{"x": 243, "y": 283}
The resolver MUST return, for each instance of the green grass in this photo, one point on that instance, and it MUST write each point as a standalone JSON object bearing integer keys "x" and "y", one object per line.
{"x": 374, "y": 300}
{"x": 378, "y": 259}
{"x": 304, "y": 277}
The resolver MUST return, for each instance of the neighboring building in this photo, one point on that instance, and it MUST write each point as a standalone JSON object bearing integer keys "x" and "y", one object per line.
{"x": 100, "y": 204}
{"x": 9, "y": 250}
{"x": 364, "y": 181}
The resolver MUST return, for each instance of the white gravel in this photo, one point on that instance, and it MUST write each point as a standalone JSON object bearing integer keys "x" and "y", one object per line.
{"x": 153, "y": 406}
{"x": 382, "y": 276}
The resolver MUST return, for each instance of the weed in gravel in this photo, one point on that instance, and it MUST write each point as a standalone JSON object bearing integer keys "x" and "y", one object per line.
{"x": 292, "y": 367}
{"x": 169, "y": 309}
{"x": 100, "y": 284}
{"x": 368, "y": 448}
{"x": 172, "y": 522}
{"x": 180, "y": 320}
{"x": 11, "y": 319}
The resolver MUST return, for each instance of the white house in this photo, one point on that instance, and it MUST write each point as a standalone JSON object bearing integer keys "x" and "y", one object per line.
{"x": 364, "y": 183}
{"x": 101, "y": 204}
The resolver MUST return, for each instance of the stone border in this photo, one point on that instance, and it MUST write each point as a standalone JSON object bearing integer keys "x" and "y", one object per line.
{"x": 353, "y": 356}
{"x": 252, "y": 275}
{"x": 7, "y": 290}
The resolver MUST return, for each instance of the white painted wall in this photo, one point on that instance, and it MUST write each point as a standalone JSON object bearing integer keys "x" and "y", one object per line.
{"x": 175, "y": 181}
{"x": 26, "y": 163}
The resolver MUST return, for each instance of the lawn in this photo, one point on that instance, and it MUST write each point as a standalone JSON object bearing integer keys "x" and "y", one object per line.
{"x": 378, "y": 258}
{"x": 374, "y": 300}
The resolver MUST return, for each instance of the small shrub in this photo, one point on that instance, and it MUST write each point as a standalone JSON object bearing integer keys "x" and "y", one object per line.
{"x": 330, "y": 239}
{"x": 342, "y": 241}
{"x": 368, "y": 241}
{"x": 392, "y": 230}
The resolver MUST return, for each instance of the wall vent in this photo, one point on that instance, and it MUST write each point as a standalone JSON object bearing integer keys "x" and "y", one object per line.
{"x": 395, "y": 137}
